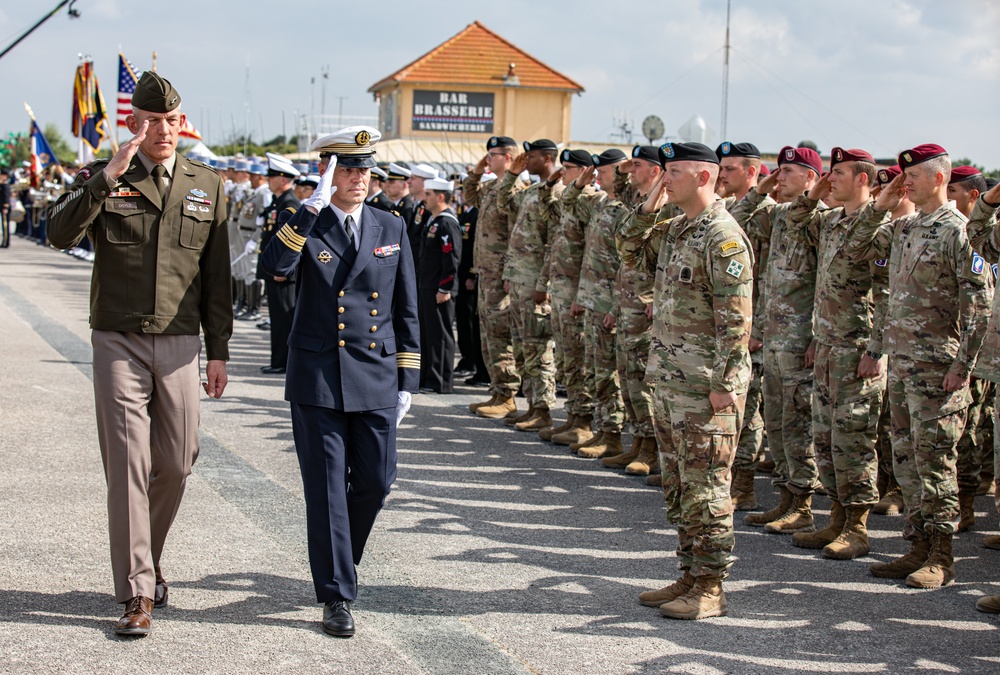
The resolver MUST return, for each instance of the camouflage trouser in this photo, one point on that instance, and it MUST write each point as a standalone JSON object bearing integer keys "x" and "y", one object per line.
{"x": 571, "y": 353}
{"x": 787, "y": 387}
{"x": 996, "y": 444}
{"x": 970, "y": 446}
{"x": 608, "y": 407}
{"x": 883, "y": 444}
{"x": 494, "y": 327}
{"x": 846, "y": 411}
{"x": 632, "y": 354}
{"x": 697, "y": 448}
{"x": 751, "y": 443}
{"x": 532, "y": 328}
{"x": 927, "y": 422}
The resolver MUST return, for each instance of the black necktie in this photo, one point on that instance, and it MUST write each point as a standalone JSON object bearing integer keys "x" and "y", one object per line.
{"x": 159, "y": 172}
{"x": 350, "y": 230}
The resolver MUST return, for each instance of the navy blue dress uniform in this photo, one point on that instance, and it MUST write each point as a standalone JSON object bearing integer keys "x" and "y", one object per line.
{"x": 379, "y": 200}
{"x": 280, "y": 294}
{"x": 353, "y": 347}
{"x": 470, "y": 344}
{"x": 439, "y": 258}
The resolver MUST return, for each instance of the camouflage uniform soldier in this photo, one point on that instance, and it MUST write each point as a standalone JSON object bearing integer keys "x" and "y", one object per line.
{"x": 933, "y": 330}
{"x": 850, "y": 378}
{"x": 568, "y": 328}
{"x": 788, "y": 351}
{"x": 490, "y": 249}
{"x": 535, "y": 216}
{"x": 699, "y": 364}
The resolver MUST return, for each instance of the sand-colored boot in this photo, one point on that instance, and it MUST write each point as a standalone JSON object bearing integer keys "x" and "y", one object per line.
{"x": 798, "y": 518}
{"x": 939, "y": 569}
{"x": 744, "y": 498}
{"x": 538, "y": 421}
{"x": 989, "y": 604}
{"x": 473, "y": 407}
{"x": 853, "y": 541}
{"x": 595, "y": 439}
{"x": 512, "y": 420}
{"x": 655, "y": 480}
{"x": 705, "y": 599}
{"x": 648, "y": 461}
{"x": 906, "y": 564}
{"x": 668, "y": 593}
{"x": 992, "y": 541}
{"x": 761, "y": 519}
{"x": 987, "y": 487}
{"x": 609, "y": 446}
{"x": 891, "y": 504}
{"x": 625, "y": 458}
{"x": 966, "y": 510}
{"x": 548, "y": 433}
{"x": 820, "y": 538}
{"x": 503, "y": 406}
{"x": 766, "y": 465}
{"x": 579, "y": 433}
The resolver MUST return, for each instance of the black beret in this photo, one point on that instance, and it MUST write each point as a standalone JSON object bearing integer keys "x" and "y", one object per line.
{"x": 540, "y": 144}
{"x": 500, "y": 142}
{"x": 687, "y": 152}
{"x": 581, "y": 157}
{"x": 609, "y": 156}
{"x": 155, "y": 94}
{"x": 727, "y": 149}
{"x": 650, "y": 153}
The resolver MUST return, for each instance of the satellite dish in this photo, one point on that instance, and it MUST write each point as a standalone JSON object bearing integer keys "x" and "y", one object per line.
{"x": 652, "y": 128}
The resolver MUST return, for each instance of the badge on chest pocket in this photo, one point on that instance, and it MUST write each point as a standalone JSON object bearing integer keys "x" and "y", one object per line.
{"x": 685, "y": 275}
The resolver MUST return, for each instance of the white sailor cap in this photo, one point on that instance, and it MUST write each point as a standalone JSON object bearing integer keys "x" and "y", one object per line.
{"x": 397, "y": 172}
{"x": 439, "y": 184}
{"x": 312, "y": 180}
{"x": 280, "y": 166}
{"x": 353, "y": 146}
{"x": 425, "y": 171}
{"x": 379, "y": 172}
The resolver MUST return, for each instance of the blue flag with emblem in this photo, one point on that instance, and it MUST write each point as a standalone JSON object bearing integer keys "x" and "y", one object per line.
{"x": 42, "y": 155}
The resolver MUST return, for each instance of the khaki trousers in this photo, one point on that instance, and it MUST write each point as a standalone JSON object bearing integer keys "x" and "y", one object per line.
{"x": 146, "y": 396}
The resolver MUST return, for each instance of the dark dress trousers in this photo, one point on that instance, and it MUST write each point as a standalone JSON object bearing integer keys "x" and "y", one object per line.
{"x": 354, "y": 345}
{"x": 280, "y": 294}
{"x": 440, "y": 254}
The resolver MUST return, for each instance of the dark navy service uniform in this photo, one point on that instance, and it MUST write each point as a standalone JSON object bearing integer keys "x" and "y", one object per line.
{"x": 440, "y": 254}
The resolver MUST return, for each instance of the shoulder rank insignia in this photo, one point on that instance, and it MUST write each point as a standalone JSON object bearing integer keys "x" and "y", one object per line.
{"x": 324, "y": 256}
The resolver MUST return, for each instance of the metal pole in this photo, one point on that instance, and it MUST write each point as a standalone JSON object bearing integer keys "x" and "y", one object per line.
{"x": 725, "y": 75}
{"x": 32, "y": 29}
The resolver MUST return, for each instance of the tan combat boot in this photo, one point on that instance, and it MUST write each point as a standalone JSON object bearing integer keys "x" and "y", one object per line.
{"x": 891, "y": 504}
{"x": 905, "y": 565}
{"x": 987, "y": 487}
{"x": 766, "y": 466}
{"x": 798, "y": 518}
{"x": 594, "y": 439}
{"x": 473, "y": 407}
{"x": 538, "y": 421}
{"x": 761, "y": 519}
{"x": 510, "y": 419}
{"x": 820, "y": 538}
{"x": 503, "y": 406}
{"x": 668, "y": 593}
{"x": 741, "y": 490}
{"x": 648, "y": 461}
{"x": 609, "y": 446}
{"x": 547, "y": 434}
{"x": 579, "y": 433}
{"x": 705, "y": 599}
{"x": 626, "y": 458}
{"x": 989, "y": 604}
{"x": 966, "y": 510}
{"x": 853, "y": 541}
{"x": 655, "y": 480}
{"x": 939, "y": 569}
{"x": 992, "y": 541}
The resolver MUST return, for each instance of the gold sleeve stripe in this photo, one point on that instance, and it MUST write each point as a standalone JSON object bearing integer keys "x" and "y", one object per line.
{"x": 293, "y": 235}
{"x": 408, "y": 360}
{"x": 287, "y": 242}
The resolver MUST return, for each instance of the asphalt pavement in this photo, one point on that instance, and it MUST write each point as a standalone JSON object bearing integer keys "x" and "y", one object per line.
{"x": 495, "y": 553}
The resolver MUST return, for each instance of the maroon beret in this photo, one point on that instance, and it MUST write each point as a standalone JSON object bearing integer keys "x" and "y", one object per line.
{"x": 964, "y": 172}
{"x": 764, "y": 171}
{"x": 838, "y": 155}
{"x": 806, "y": 157}
{"x": 920, "y": 154}
{"x": 885, "y": 176}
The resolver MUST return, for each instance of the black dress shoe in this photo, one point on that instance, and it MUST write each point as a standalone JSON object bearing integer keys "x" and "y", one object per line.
{"x": 476, "y": 381}
{"x": 463, "y": 372}
{"x": 337, "y": 619}
{"x": 161, "y": 591}
{"x": 272, "y": 370}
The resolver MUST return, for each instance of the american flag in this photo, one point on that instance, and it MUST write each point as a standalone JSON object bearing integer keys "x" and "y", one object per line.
{"x": 128, "y": 76}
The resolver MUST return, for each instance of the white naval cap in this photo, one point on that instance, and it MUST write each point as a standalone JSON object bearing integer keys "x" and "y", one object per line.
{"x": 397, "y": 172}
{"x": 424, "y": 171}
{"x": 353, "y": 146}
{"x": 439, "y": 184}
{"x": 280, "y": 166}
{"x": 379, "y": 172}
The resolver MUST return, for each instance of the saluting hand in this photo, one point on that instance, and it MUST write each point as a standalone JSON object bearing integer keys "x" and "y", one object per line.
{"x": 481, "y": 165}
{"x": 320, "y": 198}
{"x": 992, "y": 196}
{"x": 586, "y": 178}
{"x": 891, "y": 195}
{"x": 519, "y": 164}
{"x": 765, "y": 186}
{"x": 119, "y": 164}
{"x": 821, "y": 190}
{"x": 657, "y": 196}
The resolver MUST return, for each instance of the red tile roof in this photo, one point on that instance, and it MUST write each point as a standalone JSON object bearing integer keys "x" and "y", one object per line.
{"x": 477, "y": 55}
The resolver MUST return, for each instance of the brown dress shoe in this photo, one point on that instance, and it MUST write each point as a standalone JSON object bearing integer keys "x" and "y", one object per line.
{"x": 138, "y": 617}
{"x": 160, "y": 592}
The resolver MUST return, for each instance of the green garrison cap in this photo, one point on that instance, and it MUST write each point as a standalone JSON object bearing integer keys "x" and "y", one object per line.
{"x": 155, "y": 94}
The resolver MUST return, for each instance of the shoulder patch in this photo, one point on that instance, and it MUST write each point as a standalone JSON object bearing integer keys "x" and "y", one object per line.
{"x": 735, "y": 268}
{"x": 730, "y": 245}
{"x": 978, "y": 263}
{"x": 85, "y": 172}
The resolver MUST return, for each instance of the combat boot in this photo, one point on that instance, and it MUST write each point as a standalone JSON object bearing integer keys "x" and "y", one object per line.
{"x": 761, "y": 519}
{"x": 512, "y": 420}
{"x": 473, "y": 407}
{"x": 992, "y": 541}
{"x": 891, "y": 504}
{"x": 648, "y": 461}
{"x": 966, "y": 510}
{"x": 766, "y": 466}
{"x": 655, "y": 480}
{"x": 905, "y": 565}
{"x": 579, "y": 433}
{"x": 539, "y": 420}
{"x": 705, "y": 599}
{"x": 609, "y": 446}
{"x": 798, "y": 518}
{"x": 989, "y": 604}
{"x": 625, "y": 458}
{"x": 820, "y": 538}
{"x": 939, "y": 569}
{"x": 668, "y": 593}
{"x": 987, "y": 487}
{"x": 741, "y": 491}
{"x": 547, "y": 434}
{"x": 594, "y": 439}
{"x": 853, "y": 541}
{"x": 504, "y": 405}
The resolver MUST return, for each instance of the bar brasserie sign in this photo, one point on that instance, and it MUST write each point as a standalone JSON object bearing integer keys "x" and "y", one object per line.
{"x": 453, "y": 111}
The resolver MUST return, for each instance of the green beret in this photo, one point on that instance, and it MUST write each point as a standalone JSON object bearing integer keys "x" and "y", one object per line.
{"x": 155, "y": 94}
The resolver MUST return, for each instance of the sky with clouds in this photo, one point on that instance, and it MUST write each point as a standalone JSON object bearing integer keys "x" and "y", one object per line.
{"x": 883, "y": 75}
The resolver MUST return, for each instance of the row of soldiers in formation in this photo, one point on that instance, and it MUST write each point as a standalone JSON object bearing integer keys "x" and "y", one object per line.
{"x": 701, "y": 299}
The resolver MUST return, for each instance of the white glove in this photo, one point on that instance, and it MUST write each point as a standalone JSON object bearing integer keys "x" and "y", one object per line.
{"x": 402, "y": 405}
{"x": 320, "y": 198}
{"x": 250, "y": 248}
